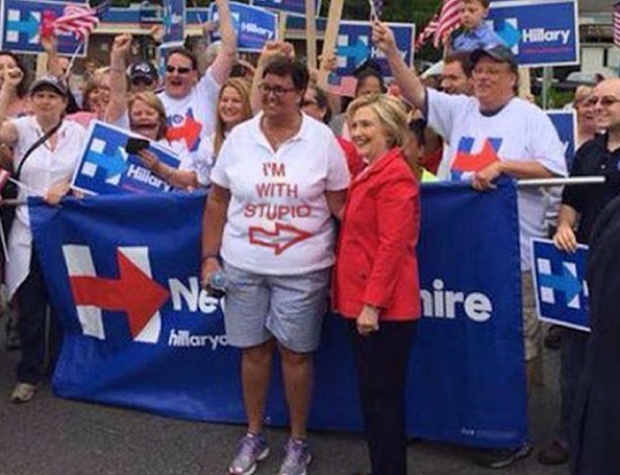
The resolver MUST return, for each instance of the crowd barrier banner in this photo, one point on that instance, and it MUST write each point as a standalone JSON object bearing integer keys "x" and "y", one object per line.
{"x": 123, "y": 273}
{"x": 560, "y": 283}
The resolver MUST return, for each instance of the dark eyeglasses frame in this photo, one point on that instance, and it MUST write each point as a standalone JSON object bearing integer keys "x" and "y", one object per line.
{"x": 277, "y": 91}
{"x": 146, "y": 80}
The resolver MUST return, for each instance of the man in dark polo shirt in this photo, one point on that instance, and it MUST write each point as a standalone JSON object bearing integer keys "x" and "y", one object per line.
{"x": 580, "y": 207}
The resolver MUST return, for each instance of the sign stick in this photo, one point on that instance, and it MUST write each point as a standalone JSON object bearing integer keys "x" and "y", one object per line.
{"x": 373, "y": 11}
{"x": 311, "y": 34}
{"x": 331, "y": 34}
{"x": 282, "y": 17}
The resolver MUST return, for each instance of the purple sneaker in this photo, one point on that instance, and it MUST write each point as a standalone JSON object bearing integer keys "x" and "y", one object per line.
{"x": 296, "y": 458}
{"x": 252, "y": 449}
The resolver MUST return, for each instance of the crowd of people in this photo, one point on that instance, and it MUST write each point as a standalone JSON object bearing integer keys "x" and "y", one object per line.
{"x": 277, "y": 152}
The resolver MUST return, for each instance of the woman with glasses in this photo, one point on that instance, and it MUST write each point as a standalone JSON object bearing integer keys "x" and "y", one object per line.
{"x": 46, "y": 152}
{"x": 277, "y": 181}
{"x": 376, "y": 284}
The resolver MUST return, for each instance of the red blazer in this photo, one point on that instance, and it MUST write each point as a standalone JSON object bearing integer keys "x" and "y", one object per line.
{"x": 376, "y": 260}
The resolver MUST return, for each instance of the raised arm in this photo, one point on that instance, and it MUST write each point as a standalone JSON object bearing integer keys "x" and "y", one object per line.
{"x": 50, "y": 45}
{"x": 410, "y": 84}
{"x": 8, "y": 132}
{"x": 117, "y": 105}
{"x": 220, "y": 69}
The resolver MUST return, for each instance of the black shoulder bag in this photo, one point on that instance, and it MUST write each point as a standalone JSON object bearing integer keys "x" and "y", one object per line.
{"x": 10, "y": 191}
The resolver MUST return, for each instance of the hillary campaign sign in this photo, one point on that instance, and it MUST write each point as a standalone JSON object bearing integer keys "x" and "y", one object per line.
{"x": 565, "y": 123}
{"x": 560, "y": 283}
{"x": 163, "y": 347}
{"x": 290, "y": 6}
{"x": 174, "y": 22}
{"x": 540, "y": 32}
{"x": 21, "y": 23}
{"x": 354, "y": 45}
{"x": 254, "y": 26}
{"x": 106, "y": 168}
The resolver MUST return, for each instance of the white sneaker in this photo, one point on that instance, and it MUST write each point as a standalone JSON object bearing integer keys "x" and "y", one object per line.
{"x": 23, "y": 392}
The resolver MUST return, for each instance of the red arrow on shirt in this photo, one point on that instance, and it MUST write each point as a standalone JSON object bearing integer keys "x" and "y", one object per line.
{"x": 134, "y": 293}
{"x": 474, "y": 162}
{"x": 283, "y": 237}
{"x": 189, "y": 131}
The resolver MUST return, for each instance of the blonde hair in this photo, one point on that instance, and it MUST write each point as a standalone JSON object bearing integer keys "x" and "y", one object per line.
{"x": 151, "y": 100}
{"x": 243, "y": 88}
{"x": 389, "y": 110}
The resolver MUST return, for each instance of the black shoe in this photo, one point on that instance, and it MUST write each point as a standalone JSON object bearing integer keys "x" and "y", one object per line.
{"x": 553, "y": 452}
{"x": 501, "y": 458}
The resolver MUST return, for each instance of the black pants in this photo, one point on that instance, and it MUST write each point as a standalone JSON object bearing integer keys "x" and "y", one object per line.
{"x": 32, "y": 304}
{"x": 573, "y": 358}
{"x": 382, "y": 361}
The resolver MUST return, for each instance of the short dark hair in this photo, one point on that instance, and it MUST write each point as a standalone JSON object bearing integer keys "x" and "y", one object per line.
{"x": 462, "y": 57}
{"x": 186, "y": 53}
{"x": 369, "y": 73}
{"x": 484, "y": 3}
{"x": 22, "y": 87}
{"x": 284, "y": 66}
{"x": 417, "y": 127}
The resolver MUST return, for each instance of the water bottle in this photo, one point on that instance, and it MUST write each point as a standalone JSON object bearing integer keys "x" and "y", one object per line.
{"x": 217, "y": 284}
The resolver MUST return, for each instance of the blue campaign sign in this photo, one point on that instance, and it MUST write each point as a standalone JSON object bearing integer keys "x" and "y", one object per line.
{"x": 21, "y": 21}
{"x": 565, "y": 123}
{"x": 290, "y": 6}
{"x": 164, "y": 349}
{"x": 353, "y": 45}
{"x": 254, "y": 25}
{"x": 106, "y": 168}
{"x": 540, "y": 32}
{"x": 560, "y": 283}
{"x": 174, "y": 22}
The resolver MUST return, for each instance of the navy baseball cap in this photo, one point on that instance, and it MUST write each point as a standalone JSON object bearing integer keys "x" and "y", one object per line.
{"x": 49, "y": 83}
{"x": 144, "y": 69}
{"x": 499, "y": 53}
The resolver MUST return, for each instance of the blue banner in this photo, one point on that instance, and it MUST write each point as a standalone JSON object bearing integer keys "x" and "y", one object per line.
{"x": 354, "y": 46}
{"x": 21, "y": 22}
{"x": 106, "y": 168}
{"x": 560, "y": 283}
{"x": 254, "y": 26}
{"x": 540, "y": 32}
{"x": 164, "y": 349}
{"x": 565, "y": 123}
{"x": 290, "y": 6}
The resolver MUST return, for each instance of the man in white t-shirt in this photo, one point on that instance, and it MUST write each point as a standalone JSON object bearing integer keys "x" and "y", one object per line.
{"x": 490, "y": 134}
{"x": 191, "y": 103}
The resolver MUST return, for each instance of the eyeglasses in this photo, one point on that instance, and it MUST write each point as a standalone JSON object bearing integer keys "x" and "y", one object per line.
{"x": 277, "y": 90}
{"x": 178, "y": 69}
{"x": 604, "y": 101}
{"x": 142, "y": 80}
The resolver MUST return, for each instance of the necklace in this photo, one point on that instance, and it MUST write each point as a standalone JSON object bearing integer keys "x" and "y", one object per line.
{"x": 276, "y": 139}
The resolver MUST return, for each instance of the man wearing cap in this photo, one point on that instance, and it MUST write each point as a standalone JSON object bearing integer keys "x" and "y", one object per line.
{"x": 191, "y": 103}
{"x": 143, "y": 77}
{"x": 490, "y": 134}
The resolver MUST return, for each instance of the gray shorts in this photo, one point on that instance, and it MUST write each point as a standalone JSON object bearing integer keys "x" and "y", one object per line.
{"x": 289, "y": 308}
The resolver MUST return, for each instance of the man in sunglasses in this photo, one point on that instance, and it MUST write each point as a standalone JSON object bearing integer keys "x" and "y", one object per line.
{"x": 143, "y": 77}
{"x": 490, "y": 134}
{"x": 191, "y": 101}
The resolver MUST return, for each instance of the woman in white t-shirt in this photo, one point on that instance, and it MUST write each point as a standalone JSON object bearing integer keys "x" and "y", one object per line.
{"x": 46, "y": 152}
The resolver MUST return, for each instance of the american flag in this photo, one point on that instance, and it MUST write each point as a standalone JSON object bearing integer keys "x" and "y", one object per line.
{"x": 617, "y": 24}
{"x": 77, "y": 19}
{"x": 427, "y": 32}
{"x": 341, "y": 86}
{"x": 449, "y": 20}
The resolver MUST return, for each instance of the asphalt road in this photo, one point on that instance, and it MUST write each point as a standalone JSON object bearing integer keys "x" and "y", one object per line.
{"x": 53, "y": 436}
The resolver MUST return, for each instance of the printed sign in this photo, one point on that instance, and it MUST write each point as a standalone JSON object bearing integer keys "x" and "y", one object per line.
{"x": 174, "y": 22}
{"x": 565, "y": 123}
{"x": 354, "y": 46}
{"x": 540, "y": 32}
{"x": 290, "y": 6}
{"x": 254, "y": 26}
{"x": 106, "y": 168}
{"x": 21, "y": 22}
{"x": 560, "y": 283}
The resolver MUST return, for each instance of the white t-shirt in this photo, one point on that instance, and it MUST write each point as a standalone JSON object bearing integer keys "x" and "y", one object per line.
{"x": 278, "y": 221}
{"x": 520, "y": 131}
{"x": 42, "y": 169}
{"x": 192, "y": 118}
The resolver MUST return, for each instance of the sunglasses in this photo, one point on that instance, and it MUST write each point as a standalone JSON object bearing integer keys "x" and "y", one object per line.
{"x": 142, "y": 80}
{"x": 605, "y": 101}
{"x": 179, "y": 69}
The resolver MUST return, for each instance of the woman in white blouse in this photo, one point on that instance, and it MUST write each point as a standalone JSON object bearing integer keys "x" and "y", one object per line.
{"x": 46, "y": 171}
